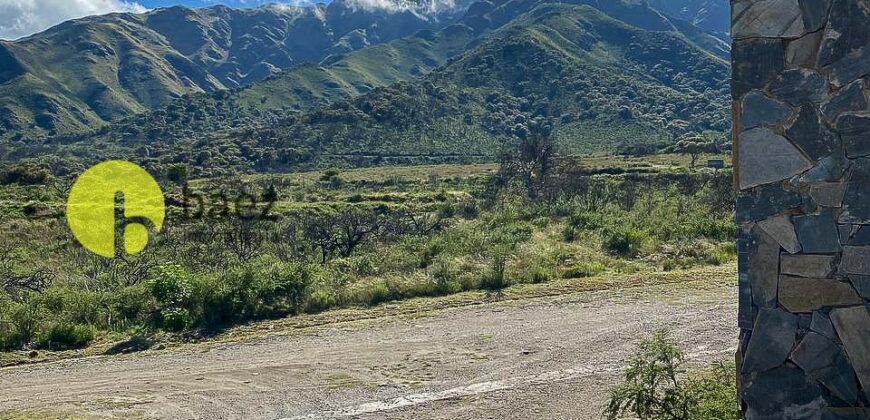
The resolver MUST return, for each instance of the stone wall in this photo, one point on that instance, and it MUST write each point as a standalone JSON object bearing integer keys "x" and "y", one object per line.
{"x": 801, "y": 83}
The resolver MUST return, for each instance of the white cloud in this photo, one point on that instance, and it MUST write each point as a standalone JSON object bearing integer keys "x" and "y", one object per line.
{"x": 423, "y": 8}
{"x": 19, "y": 18}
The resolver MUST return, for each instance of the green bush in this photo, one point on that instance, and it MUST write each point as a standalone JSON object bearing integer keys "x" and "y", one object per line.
{"x": 446, "y": 277}
{"x": 652, "y": 389}
{"x": 133, "y": 303}
{"x": 712, "y": 394}
{"x": 74, "y": 305}
{"x": 65, "y": 336}
{"x": 625, "y": 241}
{"x": 319, "y": 300}
{"x": 583, "y": 269}
{"x": 496, "y": 279}
{"x": 24, "y": 174}
{"x": 656, "y": 387}
{"x": 172, "y": 288}
{"x": 26, "y": 320}
{"x": 291, "y": 285}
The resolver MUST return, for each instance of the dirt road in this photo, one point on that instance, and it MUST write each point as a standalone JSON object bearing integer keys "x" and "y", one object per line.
{"x": 527, "y": 358}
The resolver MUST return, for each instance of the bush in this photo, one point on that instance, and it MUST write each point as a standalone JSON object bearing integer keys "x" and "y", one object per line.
{"x": 65, "y": 336}
{"x": 584, "y": 269}
{"x": 132, "y": 303}
{"x": 172, "y": 288}
{"x": 656, "y": 387}
{"x": 446, "y": 277}
{"x": 496, "y": 279}
{"x": 713, "y": 394}
{"x": 24, "y": 174}
{"x": 625, "y": 241}
{"x": 25, "y": 322}
{"x": 651, "y": 389}
{"x": 319, "y": 300}
{"x": 291, "y": 285}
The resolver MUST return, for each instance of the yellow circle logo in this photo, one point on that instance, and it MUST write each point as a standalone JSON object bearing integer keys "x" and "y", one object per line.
{"x": 112, "y": 206}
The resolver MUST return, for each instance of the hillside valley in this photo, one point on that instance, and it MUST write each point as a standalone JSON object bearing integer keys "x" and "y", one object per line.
{"x": 607, "y": 77}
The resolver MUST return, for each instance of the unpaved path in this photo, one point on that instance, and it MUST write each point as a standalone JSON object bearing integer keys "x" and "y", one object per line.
{"x": 535, "y": 358}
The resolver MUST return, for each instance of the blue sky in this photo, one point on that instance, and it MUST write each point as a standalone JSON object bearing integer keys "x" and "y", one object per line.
{"x": 19, "y": 18}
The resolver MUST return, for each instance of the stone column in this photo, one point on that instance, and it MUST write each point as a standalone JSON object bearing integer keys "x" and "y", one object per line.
{"x": 801, "y": 83}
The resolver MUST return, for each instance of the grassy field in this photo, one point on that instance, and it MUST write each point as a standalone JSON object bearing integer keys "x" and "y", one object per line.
{"x": 355, "y": 238}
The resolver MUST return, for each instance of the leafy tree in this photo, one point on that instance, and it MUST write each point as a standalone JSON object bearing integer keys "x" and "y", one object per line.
{"x": 695, "y": 147}
{"x": 177, "y": 173}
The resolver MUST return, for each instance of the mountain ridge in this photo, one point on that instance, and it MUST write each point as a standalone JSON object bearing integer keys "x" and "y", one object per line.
{"x": 86, "y": 72}
{"x": 605, "y": 82}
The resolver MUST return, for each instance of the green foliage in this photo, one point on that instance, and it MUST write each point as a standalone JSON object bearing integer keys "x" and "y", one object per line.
{"x": 713, "y": 394}
{"x": 624, "y": 240}
{"x": 177, "y": 173}
{"x": 495, "y": 279}
{"x": 402, "y": 237}
{"x": 63, "y": 336}
{"x": 172, "y": 289}
{"x": 24, "y": 174}
{"x": 630, "y": 86}
{"x": 652, "y": 389}
{"x": 656, "y": 387}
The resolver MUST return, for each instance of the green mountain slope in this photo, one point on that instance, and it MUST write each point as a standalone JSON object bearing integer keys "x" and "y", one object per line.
{"x": 344, "y": 76}
{"x": 713, "y": 16}
{"x": 83, "y": 73}
{"x": 606, "y": 82}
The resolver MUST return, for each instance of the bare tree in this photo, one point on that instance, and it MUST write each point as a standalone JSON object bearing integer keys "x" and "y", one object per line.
{"x": 341, "y": 232}
{"x": 18, "y": 285}
{"x": 244, "y": 237}
{"x": 533, "y": 160}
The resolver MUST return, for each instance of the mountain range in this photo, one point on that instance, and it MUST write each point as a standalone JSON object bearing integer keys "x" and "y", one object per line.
{"x": 414, "y": 85}
{"x": 86, "y": 72}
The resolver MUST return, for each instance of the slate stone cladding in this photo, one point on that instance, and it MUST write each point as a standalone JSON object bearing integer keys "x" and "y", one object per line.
{"x": 801, "y": 90}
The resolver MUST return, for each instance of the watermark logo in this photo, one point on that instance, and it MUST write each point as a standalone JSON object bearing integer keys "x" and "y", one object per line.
{"x": 112, "y": 207}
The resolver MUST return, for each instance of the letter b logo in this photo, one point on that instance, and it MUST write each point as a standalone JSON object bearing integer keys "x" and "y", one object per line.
{"x": 111, "y": 206}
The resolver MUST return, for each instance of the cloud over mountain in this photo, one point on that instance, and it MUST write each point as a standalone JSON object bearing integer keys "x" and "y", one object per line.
{"x": 19, "y": 18}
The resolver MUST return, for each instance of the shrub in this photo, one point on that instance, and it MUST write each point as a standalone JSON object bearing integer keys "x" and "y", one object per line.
{"x": 319, "y": 300}
{"x": 656, "y": 387}
{"x": 468, "y": 210}
{"x": 24, "y": 174}
{"x": 446, "y": 277}
{"x": 175, "y": 319}
{"x": 328, "y": 174}
{"x": 291, "y": 285}
{"x": 75, "y": 305}
{"x": 376, "y": 292}
{"x": 64, "y": 336}
{"x": 172, "y": 288}
{"x": 625, "y": 241}
{"x": 177, "y": 173}
{"x": 496, "y": 279}
{"x": 25, "y": 321}
{"x": 132, "y": 303}
{"x": 713, "y": 393}
{"x": 651, "y": 389}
